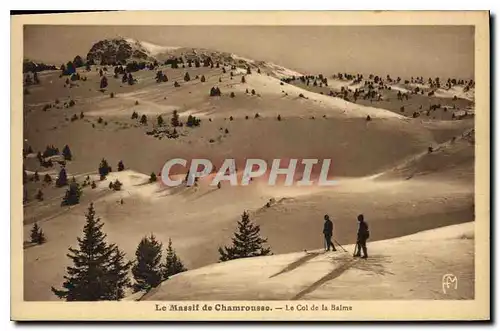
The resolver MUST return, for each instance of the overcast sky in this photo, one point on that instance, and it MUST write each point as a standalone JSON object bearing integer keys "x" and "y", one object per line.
{"x": 396, "y": 50}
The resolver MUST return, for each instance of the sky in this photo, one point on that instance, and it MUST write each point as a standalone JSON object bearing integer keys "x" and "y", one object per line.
{"x": 444, "y": 51}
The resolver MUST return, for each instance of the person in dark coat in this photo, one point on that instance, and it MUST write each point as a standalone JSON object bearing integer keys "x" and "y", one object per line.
{"x": 363, "y": 235}
{"x": 328, "y": 232}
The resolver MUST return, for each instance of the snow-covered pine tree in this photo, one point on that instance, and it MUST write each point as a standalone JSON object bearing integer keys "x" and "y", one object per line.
{"x": 173, "y": 264}
{"x": 246, "y": 242}
{"x": 93, "y": 275}
{"x": 147, "y": 269}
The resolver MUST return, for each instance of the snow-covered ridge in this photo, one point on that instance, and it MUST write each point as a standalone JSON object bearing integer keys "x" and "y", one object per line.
{"x": 150, "y": 48}
{"x": 128, "y": 49}
{"x": 409, "y": 267}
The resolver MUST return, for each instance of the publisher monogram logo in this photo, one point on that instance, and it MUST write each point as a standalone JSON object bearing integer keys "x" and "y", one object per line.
{"x": 449, "y": 281}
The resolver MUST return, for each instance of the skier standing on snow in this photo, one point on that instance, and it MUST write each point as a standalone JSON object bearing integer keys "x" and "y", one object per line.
{"x": 328, "y": 233}
{"x": 363, "y": 235}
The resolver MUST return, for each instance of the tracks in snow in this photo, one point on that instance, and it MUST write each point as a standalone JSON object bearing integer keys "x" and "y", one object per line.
{"x": 326, "y": 278}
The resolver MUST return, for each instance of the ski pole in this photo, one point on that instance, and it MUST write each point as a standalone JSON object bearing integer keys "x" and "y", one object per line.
{"x": 340, "y": 246}
{"x": 356, "y": 249}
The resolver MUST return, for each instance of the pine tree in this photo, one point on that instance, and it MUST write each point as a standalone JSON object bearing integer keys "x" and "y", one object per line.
{"x": 67, "y": 153}
{"x": 36, "y": 235}
{"x": 121, "y": 166}
{"x": 160, "y": 120}
{"x": 246, "y": 242}
{"x": 47, "y": 179}
{"x": 41, "y": 238}
{"x": 36, "y": 177}
{"x": 70, "y": 68}
{"x": 173, "y": 265}
{"x": 118, "y": 275}
{"x": 186, "y": 77}
{"x": 73, "y": 194}
{"x": 147, "y": 269}
{"x": 175, "y": 119}
{"x": 104, "y": 168}
{"x": 78, "y": 61}
{"x": 152, "y": 178}
{"x": 62, "y": 179}
{"x": 116, "y": 185}
{"x": 144, "y": 119}
{"x": 98, "y": 271}
{"x": 104, "y": 82}
{"x": 202, "y": 79}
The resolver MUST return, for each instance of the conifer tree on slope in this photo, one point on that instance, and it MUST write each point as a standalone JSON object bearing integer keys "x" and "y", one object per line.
{"x": 118, "y": 275}
{"x": 67, "y": 153}
{"x": 62, "y": 179}
{"x": 246, "y": 242}
{"x": 73, "y": 194}
{"x": 147, "y": 269}
{"x": 37, "y": 236}
{"x": 34, "y": 233}
{"x": 99, "y": 271}
{"x": 104, "y": 168}
{"x": 173, "y": 265}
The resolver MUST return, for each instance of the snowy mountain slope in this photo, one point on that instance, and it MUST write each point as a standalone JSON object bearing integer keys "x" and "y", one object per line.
{"x": 409, "y": 267}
